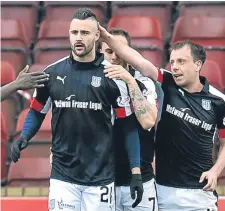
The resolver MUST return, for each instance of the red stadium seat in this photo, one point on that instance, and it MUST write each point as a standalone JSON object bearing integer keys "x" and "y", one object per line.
{"x": 207, "y": 31}
{"x": 13, "y": 34}
{"x": 66, "y": 9}
{"x": 202, "y": 8}
{"x": 52, "y": 43}
{"x": 218, "y": 57}
{"x": 155, "y": 56}
{"x": 14, "y": 43}
{"x": 144, "y": 31}
{"x": 145, "y": 34}
{"x": 25, "y": 11}
{"x": 161, "y": 10}
{"x": 7, "y": 73}
{"x": 29, "y": 171}
{"x": 213, "y": 74}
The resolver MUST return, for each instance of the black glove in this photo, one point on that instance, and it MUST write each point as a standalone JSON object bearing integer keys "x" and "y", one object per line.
{"x": 136, "y": 186}
{"x": 16, "y": 147}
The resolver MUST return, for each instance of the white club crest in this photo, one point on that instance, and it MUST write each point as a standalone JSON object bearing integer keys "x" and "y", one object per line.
{"x": 206, "y": 104}
{"x": 96, "y": 81}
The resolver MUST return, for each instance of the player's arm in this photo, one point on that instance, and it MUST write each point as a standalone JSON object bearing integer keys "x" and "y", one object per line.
{"x": 121, "y": 103}
{"x": 23, "y": 81}
{"x": 132, "y": 143}
{"x": 40, "y": 105}
{"x": 145, "y": 107}
{"x": 218, "y": 167}
{"x": 129, "y": 55}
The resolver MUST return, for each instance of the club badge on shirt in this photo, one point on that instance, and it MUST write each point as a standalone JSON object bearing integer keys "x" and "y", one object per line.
{"x": 96, "y": 81}
{"x": 206, "y": 104}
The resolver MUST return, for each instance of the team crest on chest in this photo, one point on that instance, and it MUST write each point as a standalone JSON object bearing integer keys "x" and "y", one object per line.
{"x": 96, "y": 81}
{"x": 206, "y": 104}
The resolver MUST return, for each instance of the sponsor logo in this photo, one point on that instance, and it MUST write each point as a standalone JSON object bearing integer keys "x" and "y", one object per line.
{"x": 68, "y": 206}
{"x": 184, "y": 109}
{"x": 188, "y": 118}
{"x": 61, "y": 79}
{"x": 123, "y": 101}
{"x": 51, "y": 204}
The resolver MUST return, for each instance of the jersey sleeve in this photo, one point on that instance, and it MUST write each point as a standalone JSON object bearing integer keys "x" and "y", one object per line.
{"x": 147, "y": 87}
{"x": 221, "y": 119}
{"x": 165, "y": 77}
{"x": 41, "y": 101}
{"x": 120, "y": 98}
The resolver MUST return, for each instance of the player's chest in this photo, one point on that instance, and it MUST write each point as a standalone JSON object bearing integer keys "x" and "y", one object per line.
{"x": 78, "y": 85}
{"x": 194, "y": 110}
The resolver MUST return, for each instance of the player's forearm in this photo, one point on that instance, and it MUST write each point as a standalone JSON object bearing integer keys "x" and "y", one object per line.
{"x": 145, "y": 111}
{"x": 132, "y": 141}
{"x": 133, "y": 58}
{"x": 220, "y": 163}
{"x": 8, "y": 90}
{"x": 32, "y": 124}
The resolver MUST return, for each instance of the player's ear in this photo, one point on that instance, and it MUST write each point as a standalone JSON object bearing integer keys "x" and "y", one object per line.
{"x": 198, "y": 65}
{"x": 97, "y": 35}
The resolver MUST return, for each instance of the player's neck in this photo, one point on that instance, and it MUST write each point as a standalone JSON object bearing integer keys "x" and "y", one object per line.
{"x": 197, "y": 86}
{"x": 87, "y": 58}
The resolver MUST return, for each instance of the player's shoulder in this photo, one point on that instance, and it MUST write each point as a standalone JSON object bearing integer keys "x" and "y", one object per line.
{"x": 56, "y": 66}
{"x": 216, "y": 93}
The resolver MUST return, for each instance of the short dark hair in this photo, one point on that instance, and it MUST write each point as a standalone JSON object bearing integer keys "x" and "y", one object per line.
{"x": 84, "y": 13}
{"x": 121, "y": 32}
{"x": 197, "y": 51}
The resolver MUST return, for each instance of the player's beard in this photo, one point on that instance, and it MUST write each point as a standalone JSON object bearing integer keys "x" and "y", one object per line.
{"x": 86, "y": 50}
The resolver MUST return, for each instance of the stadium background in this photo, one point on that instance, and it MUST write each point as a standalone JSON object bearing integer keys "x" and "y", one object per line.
{"x": 36, "y": 33}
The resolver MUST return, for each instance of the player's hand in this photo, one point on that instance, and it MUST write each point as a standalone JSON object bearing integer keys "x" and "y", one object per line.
{"x": 32, "y": 80}
{"x": 104, "y": 34}
{"x": 136, "y": 189}
{"x": 211, "y": 177}
{"x": 117, "y": 71}
{"x": 17, "y": 147}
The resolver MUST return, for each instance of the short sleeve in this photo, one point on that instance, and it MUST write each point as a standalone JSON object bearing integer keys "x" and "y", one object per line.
{"x": 41, "y": 101}
{"x": 120, "y": 98}
{"x": 147, "y": 87}
{"x": 165, "y": 77}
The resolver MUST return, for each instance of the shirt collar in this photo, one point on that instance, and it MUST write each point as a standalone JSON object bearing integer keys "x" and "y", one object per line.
{"x": 205, "y": 84}
{"x": 97, "y": 61}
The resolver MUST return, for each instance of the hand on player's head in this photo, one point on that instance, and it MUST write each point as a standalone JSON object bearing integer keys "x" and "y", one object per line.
{"x": 26, "y": 80}
{"x": 104, "y": 34}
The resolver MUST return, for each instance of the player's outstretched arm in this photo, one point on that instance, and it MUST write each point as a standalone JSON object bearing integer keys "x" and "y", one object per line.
{"x": 24, "y": 81}
{"x": 129, "y": 55}
{"x": 145, "y": 109}
{"x": 31, "y": 126}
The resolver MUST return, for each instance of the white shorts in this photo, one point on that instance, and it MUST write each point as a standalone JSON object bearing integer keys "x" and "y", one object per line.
{"x": 174, "y": 199}
{"x": 149, "y": 200}
{"x": 72, "y": 197}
